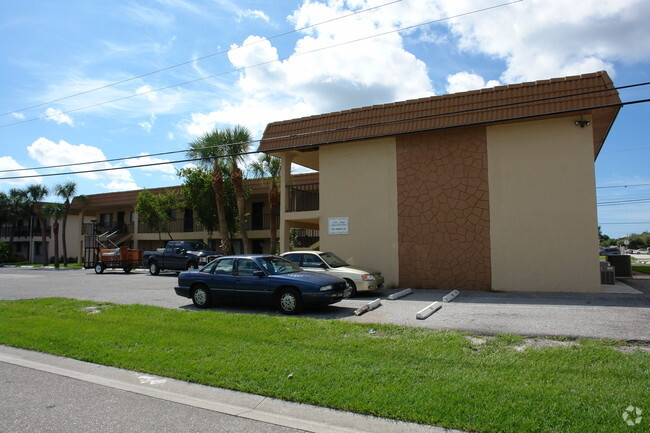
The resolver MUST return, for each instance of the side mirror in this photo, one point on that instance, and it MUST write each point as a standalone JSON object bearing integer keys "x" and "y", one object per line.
{"x": 259, "y": 274}
{"x": 177, "y": 250}
{"x": 323, "y": 265}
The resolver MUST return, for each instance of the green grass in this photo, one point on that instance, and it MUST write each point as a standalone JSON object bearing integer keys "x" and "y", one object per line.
{"x": 410, "y": 374}
{"x": 641, "y": 268}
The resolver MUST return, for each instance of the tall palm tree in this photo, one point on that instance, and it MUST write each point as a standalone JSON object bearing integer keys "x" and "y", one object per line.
{"x": 239, "y": 139}
{"x": 221, "y": 152}
{"x": 209, "y": 147}
{"x": 56, "y": 211}
{"x": 67, "y": 191}
{"x": 37, "y": 194}
{"x": 268, "y": 167}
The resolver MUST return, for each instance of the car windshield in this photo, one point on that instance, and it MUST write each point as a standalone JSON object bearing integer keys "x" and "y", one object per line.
{"x": 333, "y": 260}
{"x": 278, "y": 265}
{"x": 195, "y": 246}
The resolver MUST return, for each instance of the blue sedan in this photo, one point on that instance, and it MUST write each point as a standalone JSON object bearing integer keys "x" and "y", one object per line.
{"x": 260, "y": 279}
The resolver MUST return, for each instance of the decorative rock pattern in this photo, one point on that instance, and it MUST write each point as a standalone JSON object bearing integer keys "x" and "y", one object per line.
{"x": 443, "y": 210}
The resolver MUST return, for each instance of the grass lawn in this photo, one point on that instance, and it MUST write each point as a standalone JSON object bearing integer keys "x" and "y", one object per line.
{"x": 418, "y": 375}
{"x": 641, "y": 268}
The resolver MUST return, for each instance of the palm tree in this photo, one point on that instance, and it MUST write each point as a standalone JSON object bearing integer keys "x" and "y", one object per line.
{"x": 268, "y": 167}
{"x": 218, "y": 150}
{"x": 56, "y": 211}
{"x": 18, "y": 206}
{"x": 239, "y": 139}
{"x": 37, "y": 194}
{"x": 66, "y": 191}
{"x": 209, "y": 148}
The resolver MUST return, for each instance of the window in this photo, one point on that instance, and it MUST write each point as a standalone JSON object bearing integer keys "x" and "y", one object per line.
{"x": 311, "y": 261}
{"x": 294, "y": 258}
{"x": 224, "y": 267}
{"x": 246, "y": 267}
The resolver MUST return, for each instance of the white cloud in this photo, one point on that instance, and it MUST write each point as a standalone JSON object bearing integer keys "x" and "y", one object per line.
{"x": 56, "y": 115}
{"x": 312, "y": 80}
{"x": 8, "y": 163}
{"x": 170, "y": 136}
{"x": 19, "y": 116}
{"x": 147, "y": 125}
{"x": 256, "y": 14}
{"x": 145, "y": 159}
{"x": 552, "y": 38}
{"x": 464, "y": 81}
{"x": 48, "y": 153}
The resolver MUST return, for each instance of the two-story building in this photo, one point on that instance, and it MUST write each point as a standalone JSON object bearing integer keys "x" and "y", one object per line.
{"x": 488, "y": 189}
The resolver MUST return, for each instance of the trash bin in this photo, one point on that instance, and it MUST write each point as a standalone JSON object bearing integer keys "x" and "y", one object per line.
{"x": 622, "y": 265}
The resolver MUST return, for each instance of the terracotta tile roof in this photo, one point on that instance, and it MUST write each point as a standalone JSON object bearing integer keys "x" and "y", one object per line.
{"x": 516, "y": 102}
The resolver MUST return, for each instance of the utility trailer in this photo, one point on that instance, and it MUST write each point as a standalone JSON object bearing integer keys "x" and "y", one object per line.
{"x": 100, "y": 257}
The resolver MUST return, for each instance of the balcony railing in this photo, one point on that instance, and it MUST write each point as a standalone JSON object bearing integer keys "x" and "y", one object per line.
{"x": 185, "y": 225}
{"x": 303, "y": 238}
{"x": 304, "y": 197}
{"x": 261, "y": 222}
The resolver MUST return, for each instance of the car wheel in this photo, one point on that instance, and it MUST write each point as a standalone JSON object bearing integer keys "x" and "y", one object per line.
{"x": 353, "y": 288}
{"x": 99, "y": 268}
{"x": 127, "y": 269}
{"x": 289, "y": 301}
{"x": 153, "y": 268}
{"x": 201, "y": 297}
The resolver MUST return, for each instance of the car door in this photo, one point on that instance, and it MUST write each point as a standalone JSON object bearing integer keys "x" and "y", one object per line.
{"x": 311, "y": 262}
{"x": 222, "y": 282}
{"x": 251, "y": 287}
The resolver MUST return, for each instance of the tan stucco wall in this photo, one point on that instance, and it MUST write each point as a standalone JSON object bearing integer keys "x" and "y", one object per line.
{"x": 444, "y": 227}
{"x": 358, "y": 181}
{"x": 543, "y": 223}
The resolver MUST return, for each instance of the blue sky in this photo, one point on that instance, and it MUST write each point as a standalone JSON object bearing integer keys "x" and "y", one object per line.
{"x": 55, "y": 49}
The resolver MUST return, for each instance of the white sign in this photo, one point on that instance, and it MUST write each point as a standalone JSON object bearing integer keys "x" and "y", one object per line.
{"x": 338, "y": 226}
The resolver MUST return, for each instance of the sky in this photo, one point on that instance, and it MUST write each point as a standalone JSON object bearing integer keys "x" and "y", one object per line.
{"x": 96, "y": 81}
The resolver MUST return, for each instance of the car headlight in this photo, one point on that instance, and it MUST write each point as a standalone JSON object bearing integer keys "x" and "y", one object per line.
{"x": 326, "y": 288}
{"x": 203, "y": 260}
{"x": 367, "y": 277}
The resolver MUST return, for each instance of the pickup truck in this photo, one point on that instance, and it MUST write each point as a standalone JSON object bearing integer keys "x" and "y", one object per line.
{"x": 178, "y": 256}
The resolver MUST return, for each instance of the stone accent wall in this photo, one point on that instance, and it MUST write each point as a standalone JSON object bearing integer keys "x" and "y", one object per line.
{"x": 443, "y": 210}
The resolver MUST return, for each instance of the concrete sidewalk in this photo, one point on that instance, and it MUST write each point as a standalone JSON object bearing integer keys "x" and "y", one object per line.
{"x": 239, "y": 404}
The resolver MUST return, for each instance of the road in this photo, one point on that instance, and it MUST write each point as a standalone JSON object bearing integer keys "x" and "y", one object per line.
{"x": 622, "y": 316}
{"x": 36, "y": 401}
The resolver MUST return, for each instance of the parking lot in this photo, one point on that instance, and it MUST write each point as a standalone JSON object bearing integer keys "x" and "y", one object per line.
{"x": 623, "y": 316}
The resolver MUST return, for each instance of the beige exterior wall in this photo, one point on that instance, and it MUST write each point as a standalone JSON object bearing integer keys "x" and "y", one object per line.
{"x": 358, "y": 181}
{"x": 543, "y": 224}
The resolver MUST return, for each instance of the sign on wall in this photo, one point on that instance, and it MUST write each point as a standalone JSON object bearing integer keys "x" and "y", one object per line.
{"x": 338, "y": 226}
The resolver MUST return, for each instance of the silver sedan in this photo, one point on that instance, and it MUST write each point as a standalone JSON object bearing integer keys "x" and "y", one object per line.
{"x": 359, "y": 279}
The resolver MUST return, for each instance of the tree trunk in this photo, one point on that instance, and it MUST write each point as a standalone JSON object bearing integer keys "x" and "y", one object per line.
{"x": 274, "y": 200}
{"x": 217, "y": 186}
{"x": 63, "y": 244}
{"x": 55, "y": 229}
{"x": 238, "y": 184}
{"x": 46, "y": 259}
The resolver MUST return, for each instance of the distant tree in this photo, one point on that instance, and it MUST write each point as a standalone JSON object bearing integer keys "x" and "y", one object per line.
{"x": 269, "y": 167}
{"x": 37, "y": 194}
{"x": 56, "y": 211}
{"x": 67, "y": 191}
{"x": 602, "y": 237}
{"x": 19, "y": 207}
{"x": 157, "y": 210}
{"x": 200, "y": 197}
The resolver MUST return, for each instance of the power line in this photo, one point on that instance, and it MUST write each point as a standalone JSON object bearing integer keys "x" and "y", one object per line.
{"x": 623, "y": 186}
{"x": 295, "y": 147}
{"x": 409, "y": 119}
{"x": 199, "y": 59}
{"x": 259, "y": 64}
